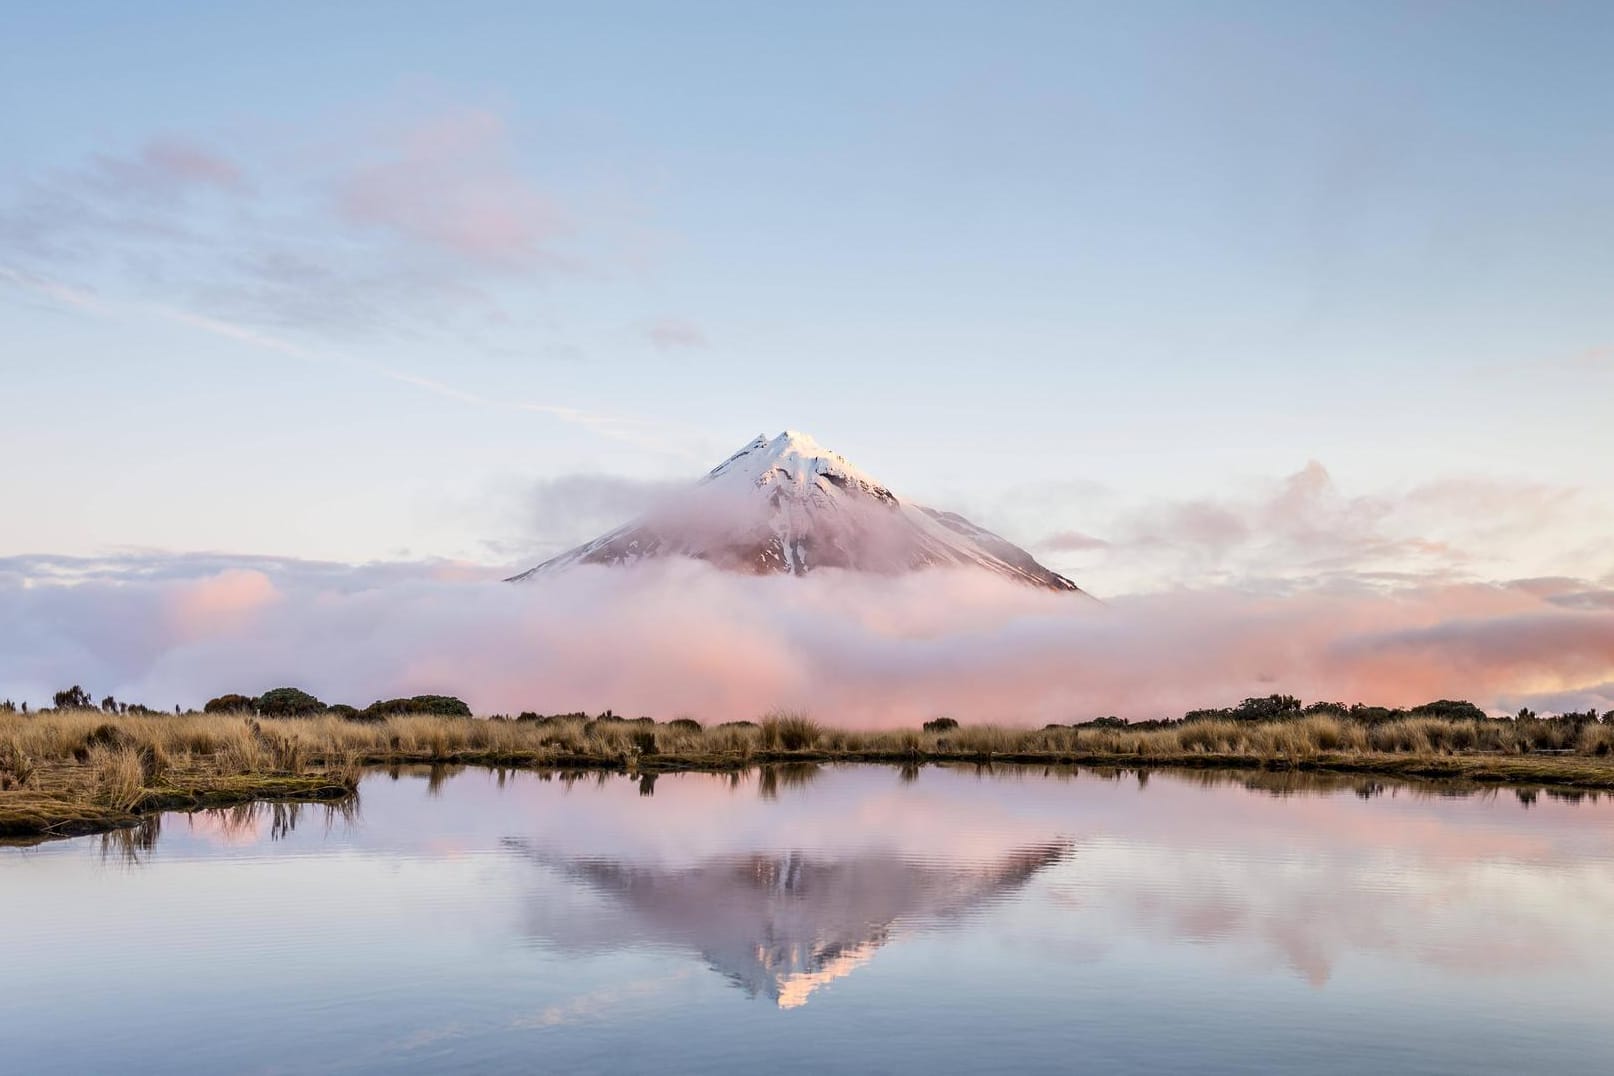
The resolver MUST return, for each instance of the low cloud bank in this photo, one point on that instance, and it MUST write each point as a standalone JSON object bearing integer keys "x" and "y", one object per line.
{"x": 679, "y": 637}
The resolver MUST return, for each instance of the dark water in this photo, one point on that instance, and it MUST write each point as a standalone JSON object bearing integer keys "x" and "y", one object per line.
{"x": 859, "y": 919}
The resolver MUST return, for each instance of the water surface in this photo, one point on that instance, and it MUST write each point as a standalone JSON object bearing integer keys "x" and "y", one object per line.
{"x": 805, "y": 919}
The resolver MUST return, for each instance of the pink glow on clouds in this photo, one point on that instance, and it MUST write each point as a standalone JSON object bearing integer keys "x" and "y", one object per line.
{"x": 451, "y": 183}
{"x": 163, "y": 170}
{"x": 680, "y": 637}
{"x": 226, "y": 598}
{"x": 187, "y": 162}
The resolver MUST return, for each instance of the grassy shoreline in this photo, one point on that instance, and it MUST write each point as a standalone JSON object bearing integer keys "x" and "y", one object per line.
{"x": 66, "y": 773}
{"x": 30, "y": 819}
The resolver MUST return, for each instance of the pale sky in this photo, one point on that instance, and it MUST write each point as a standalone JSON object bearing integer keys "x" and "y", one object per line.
{"x": 379, "y": 281}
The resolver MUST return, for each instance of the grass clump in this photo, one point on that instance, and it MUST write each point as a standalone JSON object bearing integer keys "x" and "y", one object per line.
{"x": 119, "y": 776}
{"x": 789, "y": 731}
{"x": 16, "y": 766}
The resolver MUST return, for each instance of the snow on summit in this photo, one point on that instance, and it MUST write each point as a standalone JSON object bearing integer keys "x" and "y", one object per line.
{"x": 790, "y": 505}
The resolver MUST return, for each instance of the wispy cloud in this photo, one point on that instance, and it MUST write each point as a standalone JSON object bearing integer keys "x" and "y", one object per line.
{"x": 117, "y": 205}
{"x": 560, "y": 512}
{"x": 52, "y": 290}
{"x": 392, "y": 229}
{"x": 662, "y": 436}
{"x": 165, "y": 167}
{"x": 1072, "y": 542}
{"x": 675, "y": 334}
{"x": 450, "y": 183}
{"x": 417, "y": 223}
{"x": 1303, "y": 529}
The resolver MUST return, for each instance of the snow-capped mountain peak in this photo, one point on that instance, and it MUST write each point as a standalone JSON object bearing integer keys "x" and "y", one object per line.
{"x": 795, "y": 462}
{"x": 789, "y": 505}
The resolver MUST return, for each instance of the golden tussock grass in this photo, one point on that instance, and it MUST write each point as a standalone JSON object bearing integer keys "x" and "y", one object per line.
{"x": 77, "y": 765}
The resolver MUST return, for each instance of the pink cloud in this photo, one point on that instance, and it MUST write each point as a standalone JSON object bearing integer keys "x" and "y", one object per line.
{"x": 1072, "y": 542}
{"x": 163, "y": 170}
{"x": 1195, "y": 524}
{"x": 682, "y": 637}
{"x": 451, "y": 183}
{"x": 222, "y": 599}
{"x": 189, "y": 163}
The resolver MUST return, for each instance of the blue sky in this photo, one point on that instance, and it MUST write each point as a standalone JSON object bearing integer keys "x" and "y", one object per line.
{"x": 365, "y": 281}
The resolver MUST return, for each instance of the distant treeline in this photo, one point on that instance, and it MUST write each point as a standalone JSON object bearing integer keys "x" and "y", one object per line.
{"x": 294, "y": 702}
{"x": 277, "y": 702}
{"x": 1288, "y": 707}
{"x": 76, "y": 698}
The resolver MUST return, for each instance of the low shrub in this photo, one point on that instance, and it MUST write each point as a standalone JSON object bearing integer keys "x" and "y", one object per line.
{"x": 441, "y": 705}
{"x": 289, "y": 702}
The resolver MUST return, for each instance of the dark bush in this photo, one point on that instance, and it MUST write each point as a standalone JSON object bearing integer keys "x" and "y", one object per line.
{"x": 226, "y": 704}
{"x": 441, "y": 705}
{"x": 109, "y": 736}
{"x": 1374, "y": 715}
{"x": 288, "y": 702}
{"x": 74, "y": 698}
{"x": 940, "y": 724}
{"x": 1451, "y": 710}
{"x": 549, "y": 719}
{"x": 342, "y": 709}
{"x": 684, "y": 724}
{"x": 1266, "y": 708}
{"x": 643, "y": 742}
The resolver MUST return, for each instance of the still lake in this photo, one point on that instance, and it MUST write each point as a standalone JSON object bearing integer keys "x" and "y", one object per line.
{"x": 801, "y": 919}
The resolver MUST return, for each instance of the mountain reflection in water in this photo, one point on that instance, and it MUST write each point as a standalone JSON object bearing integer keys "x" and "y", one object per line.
{"x": 781, "y": 925}
{"x": 933, "y": 919}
